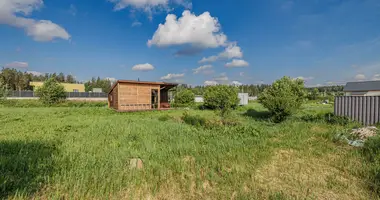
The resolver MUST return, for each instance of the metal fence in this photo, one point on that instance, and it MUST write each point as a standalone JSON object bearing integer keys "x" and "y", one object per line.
{"x": 28, "y": 94}
{"x": 364, "y": 109}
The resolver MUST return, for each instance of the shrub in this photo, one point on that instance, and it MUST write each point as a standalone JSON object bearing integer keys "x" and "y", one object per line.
{"x": 195, "y": 120}
{"x": 371, "y": 152}
{"x": 314, "y": 94}
{"x": 221, "y": 97}
{"x": 51, "y": 92}
{"x": 184, "y": 98}
{"x": 334, "y": 119}
{"x": 283, "y": 98}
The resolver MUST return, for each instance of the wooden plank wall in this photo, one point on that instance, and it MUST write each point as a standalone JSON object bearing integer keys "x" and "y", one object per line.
{"x": 136, "y": 96}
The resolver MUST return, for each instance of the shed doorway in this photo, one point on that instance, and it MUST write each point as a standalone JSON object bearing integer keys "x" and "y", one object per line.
{"x": 154, "y": 100}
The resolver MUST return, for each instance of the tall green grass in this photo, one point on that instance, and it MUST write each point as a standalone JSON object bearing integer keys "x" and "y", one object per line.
{"x": 84, "y": 153}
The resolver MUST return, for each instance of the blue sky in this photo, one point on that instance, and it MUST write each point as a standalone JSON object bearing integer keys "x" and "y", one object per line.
{"x": 199, "y": 42}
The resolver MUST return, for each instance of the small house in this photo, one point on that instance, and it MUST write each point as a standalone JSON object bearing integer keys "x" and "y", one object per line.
{"x": 69, "y": 87}
{"x": 127, "y": 95}
{"x": 365, "y": 88}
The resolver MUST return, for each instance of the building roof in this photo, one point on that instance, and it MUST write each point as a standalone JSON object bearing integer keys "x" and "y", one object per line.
{"x": 169, "y": 85}
{"x": 362, "y": 86}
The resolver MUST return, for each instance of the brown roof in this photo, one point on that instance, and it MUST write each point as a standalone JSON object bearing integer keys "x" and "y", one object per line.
{"x": 143, "y": 82}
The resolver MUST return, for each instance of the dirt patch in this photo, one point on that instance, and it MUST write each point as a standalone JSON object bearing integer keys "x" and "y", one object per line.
{"x": 301, "y": 177}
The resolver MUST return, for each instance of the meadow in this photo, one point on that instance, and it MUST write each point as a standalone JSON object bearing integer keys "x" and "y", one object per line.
{"x": 84, "y": 153}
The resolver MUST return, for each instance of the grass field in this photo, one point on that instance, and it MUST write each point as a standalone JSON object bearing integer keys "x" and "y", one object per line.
{"x": 84, "y": 153}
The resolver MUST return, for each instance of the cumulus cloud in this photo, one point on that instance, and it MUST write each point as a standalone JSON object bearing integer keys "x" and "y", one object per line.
{"x": 202, "y": 69}
{"x": 35, "y": 73}
{"x": 14, "y": 12}
{"x": 376, "y": 77}
{"x": 360, "y": 77}
{"x": 210, "y": 83}
{"x": 143, "y": 67}
{"x": 231, "y": 51}
{"x": 236, "y": 83}
{"x": 201, "y": 31}
{"x": 220, "y": 79}
{"x": 172, "y": 76}
{"x": 134, "y": 24}
{"x": 111, "y": 79}
{"x": 17, "y": 64}
{"x": 305, "y": 78}
{"x": 237, "y": 63}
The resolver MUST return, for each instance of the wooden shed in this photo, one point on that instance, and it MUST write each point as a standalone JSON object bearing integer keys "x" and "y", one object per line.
{"x": 126, "y": 95}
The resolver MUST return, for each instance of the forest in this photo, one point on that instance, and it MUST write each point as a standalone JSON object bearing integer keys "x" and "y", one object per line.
{"x": 16, "y": 80}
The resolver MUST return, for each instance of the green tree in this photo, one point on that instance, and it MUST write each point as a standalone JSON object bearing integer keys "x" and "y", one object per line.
{"x": 314, "y": 94}
{"x": 51, "y": 92}
{"x": 183, "y": 98}
{"x": 70, "y": 79}
{"x": 221, "y": 97}
{"x": 283, "y": 98}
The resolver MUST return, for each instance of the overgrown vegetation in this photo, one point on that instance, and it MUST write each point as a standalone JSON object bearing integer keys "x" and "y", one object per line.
{"x": 283, "y": 98}
{"x": 371, "y": 153}
{"x": 54, "y": 153}
{"x": 184, "y": 98}
{"x": 51, "y": 92}
{"x": 222, "y": 98}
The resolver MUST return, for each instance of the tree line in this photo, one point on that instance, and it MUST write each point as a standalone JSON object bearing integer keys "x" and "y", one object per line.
{"x": 255, "y": 90}
{"x": 15, "y": 80}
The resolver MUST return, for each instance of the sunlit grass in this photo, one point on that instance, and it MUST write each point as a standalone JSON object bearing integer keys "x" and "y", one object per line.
{"x": 84, "y": 153}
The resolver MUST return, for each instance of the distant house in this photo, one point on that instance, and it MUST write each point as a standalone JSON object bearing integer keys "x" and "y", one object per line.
{"x": 365, "y": 88}
{"x": 126, "y": 95}
{"x": 69, "y": 87}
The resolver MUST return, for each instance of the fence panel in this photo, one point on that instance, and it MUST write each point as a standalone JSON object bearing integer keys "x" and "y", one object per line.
{"x": 25, "y": 94}
{"x": 365, "y": 109}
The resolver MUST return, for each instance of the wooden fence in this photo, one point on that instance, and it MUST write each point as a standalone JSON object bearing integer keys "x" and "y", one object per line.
{"x": 364, "y": 109}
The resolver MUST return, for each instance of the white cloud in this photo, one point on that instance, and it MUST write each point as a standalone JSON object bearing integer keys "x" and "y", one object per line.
{"x": 143, "y": 67}
{"x": 203, "y": 31}
{"x": 236, "y": 83}
{"x": 305, "y": 78}
{"x": 134, "y": 24}
{"x": 209, "y": 59}
{"x": 209, "y": 83}
{"x": 231, "y": 51}
{"x": 221, "y": 79}
{"x": 360, "y": 77}
{"x": 73, "y": 10}
{"x": 35, "y": 73}
{"x": 111, "y": 79}
{"x": 376, "y": 77}
{"x": 12, "y": 12}
{"x": 17, "y": 64}
{"x": 172, "y": 76}
{"x": 142, "y": 4}
{"x": 202, "y": 69}
{"x": 237, "y": 63}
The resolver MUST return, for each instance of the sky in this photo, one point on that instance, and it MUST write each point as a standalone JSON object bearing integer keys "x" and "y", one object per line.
{"x": 196, "y": 42}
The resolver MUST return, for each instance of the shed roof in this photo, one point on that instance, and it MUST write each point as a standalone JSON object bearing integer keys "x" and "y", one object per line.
{"x": 362, "y": 86}
{"x": 144, "y": 82}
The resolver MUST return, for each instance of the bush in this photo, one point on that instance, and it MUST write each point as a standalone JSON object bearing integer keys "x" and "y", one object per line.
{"x": 221, "y": 97}
{"x": 371, "y": 152}
{"x": 334, "y": 119}
{"x": 28, "y": 103}
{"x": 195, "y": 120}
{"x": 184, "y": 98}
{"x": 283, "y": 98}
{"x": 51, "y": 92}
